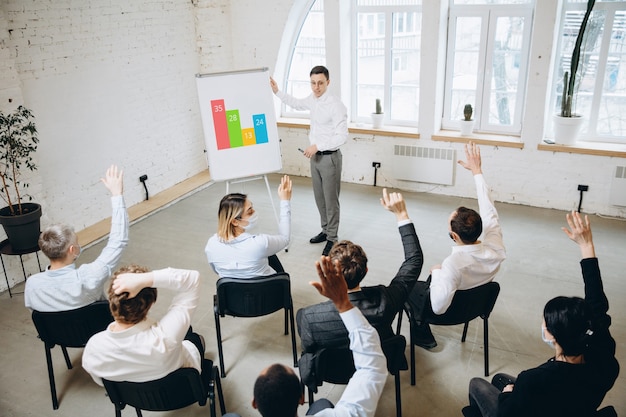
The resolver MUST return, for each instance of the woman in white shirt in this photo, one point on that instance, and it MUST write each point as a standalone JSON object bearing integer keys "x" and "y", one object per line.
{"x": 236, "y": 253}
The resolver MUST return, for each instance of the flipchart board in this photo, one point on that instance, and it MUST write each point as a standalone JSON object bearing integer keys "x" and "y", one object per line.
{"x": 239, "y": 123}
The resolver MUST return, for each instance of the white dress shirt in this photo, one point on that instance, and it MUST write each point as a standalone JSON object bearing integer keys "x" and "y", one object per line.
{"x": 150, "y": 349}
{"x": 469, "y": 266}
{"x": 69, "y": 287}
{"x": 246, "y": 255}
{"x": 360, "y": 398}
{"x": 329, "y": 119}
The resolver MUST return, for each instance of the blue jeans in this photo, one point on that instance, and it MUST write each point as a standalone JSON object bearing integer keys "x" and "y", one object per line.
{"x": 484, "y": 395}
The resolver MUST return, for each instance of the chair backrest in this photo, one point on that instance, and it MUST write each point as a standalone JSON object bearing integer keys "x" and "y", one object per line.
{"x": 72, "y": 328}
{"x": 608, "y": 411}
{"x": 178, "y": 389}
{"x": 336, "y": 365}
{"x": 253, "y": 297}
{"x": 469, "y": 304}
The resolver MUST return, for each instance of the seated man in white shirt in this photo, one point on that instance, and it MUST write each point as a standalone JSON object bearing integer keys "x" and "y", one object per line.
{"x": 136, "y": 348}
{"x": 277, "y": 391}
{"x": 472, "y": 262}
{"x": 63, "y": 286}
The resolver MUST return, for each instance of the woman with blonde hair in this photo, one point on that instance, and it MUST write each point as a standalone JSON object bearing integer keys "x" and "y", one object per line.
{"x": 235, "y": 252}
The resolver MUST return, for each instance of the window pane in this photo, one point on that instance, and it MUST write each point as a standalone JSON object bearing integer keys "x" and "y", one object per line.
{"x": 370, "y": 63}
{"x": 405, "y": 70}
{"x": 491, "y": 2}
{"x": 466, "y": 61}
{"x": 505, "y": 69}
{"x": 309, "y": 51}
{"x": 388, "y": 2}
{"x": 612, "y": 112}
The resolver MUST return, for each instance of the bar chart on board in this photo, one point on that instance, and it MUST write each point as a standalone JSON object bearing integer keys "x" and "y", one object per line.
{"x": 229, "y": 128}
{"x": 239, "y": 123}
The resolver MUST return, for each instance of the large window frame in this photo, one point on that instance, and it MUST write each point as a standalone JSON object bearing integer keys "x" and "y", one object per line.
{"x": 485, "y": 89}
{"x": 396, "y": 28}
{"x": 596, "y": 90}
{"x": 347, "y": 68}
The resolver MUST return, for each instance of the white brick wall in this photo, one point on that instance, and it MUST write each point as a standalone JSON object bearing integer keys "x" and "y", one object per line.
{"x": 109, "y": 82}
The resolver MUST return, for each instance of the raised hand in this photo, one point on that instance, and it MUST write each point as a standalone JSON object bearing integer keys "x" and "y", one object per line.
{"x": 332, "y": 283}
{"x": 472, "y": 156}
{"x": 394, "y": 202}
{"x": 114, "y": 180}
{"x": 284, "y": 189}
{"x": 580, "y": 232}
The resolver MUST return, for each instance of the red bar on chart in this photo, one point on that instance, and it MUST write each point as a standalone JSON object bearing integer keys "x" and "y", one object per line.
{"x": 220, "y": 125}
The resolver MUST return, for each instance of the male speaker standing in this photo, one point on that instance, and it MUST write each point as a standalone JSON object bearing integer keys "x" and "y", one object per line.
{"x": 329, "y": 130}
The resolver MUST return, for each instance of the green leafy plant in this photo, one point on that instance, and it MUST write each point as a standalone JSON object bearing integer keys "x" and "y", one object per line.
{"x": 569, "y": 78}
{"x": 18, "y": 141}
{"x": 379, "y": 109}
{"x": 467, "y": 112}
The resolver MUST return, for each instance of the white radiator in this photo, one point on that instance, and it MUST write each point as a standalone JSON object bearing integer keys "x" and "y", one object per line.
{"x": 431, "y": 165}
{"x": 617, "y": 197}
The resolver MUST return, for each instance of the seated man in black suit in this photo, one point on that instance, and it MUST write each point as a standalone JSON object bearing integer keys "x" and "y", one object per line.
{"x": 320, "y": 326}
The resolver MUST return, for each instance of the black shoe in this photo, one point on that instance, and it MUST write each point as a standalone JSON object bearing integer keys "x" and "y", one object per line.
{"x": 423, "y": 337}
{"x": 319, "y": 238}
{"x": 469, "y": 411}
{"x": 328, "y": 247}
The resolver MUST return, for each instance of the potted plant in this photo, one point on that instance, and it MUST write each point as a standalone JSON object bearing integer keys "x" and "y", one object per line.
{"x": 567, "y": 124}
{"x": 377, "y": 117}
{"x": 18, "y": 142}
{"x": 467, "y": 124}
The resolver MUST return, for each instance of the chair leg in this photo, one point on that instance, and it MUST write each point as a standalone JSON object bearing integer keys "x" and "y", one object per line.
{"x": 138, "y": 412}
{"x": 53, "y": 389}
{"x": 218, "y": 334}
{"x": 293, "y": 337}
{"x": 412, "y": 343}
{"x": 220, "y": 393}
{"x": 310, "y": 396}
{"x": 464, "y": 331}
{"x": 68, "y": 362}
{"x": 486, "y": 344}
{"x": 398, "y": 395}
{"x": 212, "y": 399}
{"x": 399, "y": 323}
{"x": 286, "y": 319}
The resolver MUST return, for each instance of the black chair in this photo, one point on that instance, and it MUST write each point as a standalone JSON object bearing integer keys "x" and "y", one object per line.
{"x": 179, "y": 389}
{"x": 608, "y": 411}
{"x": 71, "y": 328}
{"x": 336, "y": 365}
{"x": 253, "y": 297}
{"x": 466, "y": 306}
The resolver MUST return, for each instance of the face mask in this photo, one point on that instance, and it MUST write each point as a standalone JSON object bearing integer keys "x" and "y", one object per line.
{"x": 549, "y": 342}
{"x": 80, "y": 250}
{"x": 252, "y": 221}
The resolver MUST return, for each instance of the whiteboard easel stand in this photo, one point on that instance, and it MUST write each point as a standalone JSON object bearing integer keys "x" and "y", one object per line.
{"x": 269, "y": 193}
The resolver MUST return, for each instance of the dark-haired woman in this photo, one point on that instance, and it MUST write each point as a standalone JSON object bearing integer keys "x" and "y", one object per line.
{"x": 583, "y": 369}
{"x": 235, "y": 252}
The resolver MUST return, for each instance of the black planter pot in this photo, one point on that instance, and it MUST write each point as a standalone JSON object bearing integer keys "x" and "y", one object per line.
{"x": 22, "y": 230}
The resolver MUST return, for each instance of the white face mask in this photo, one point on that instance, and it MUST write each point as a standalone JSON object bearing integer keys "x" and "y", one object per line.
{"x": 549, "y": 342}
{"x": 80, "y": 250}
{"x": 252, "y": 221}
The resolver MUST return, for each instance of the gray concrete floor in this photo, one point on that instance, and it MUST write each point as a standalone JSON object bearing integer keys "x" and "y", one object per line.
{"x": 542, "y": 263}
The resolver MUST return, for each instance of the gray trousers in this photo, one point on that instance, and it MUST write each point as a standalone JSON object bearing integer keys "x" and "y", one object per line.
{"x": 326, "y": 176}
